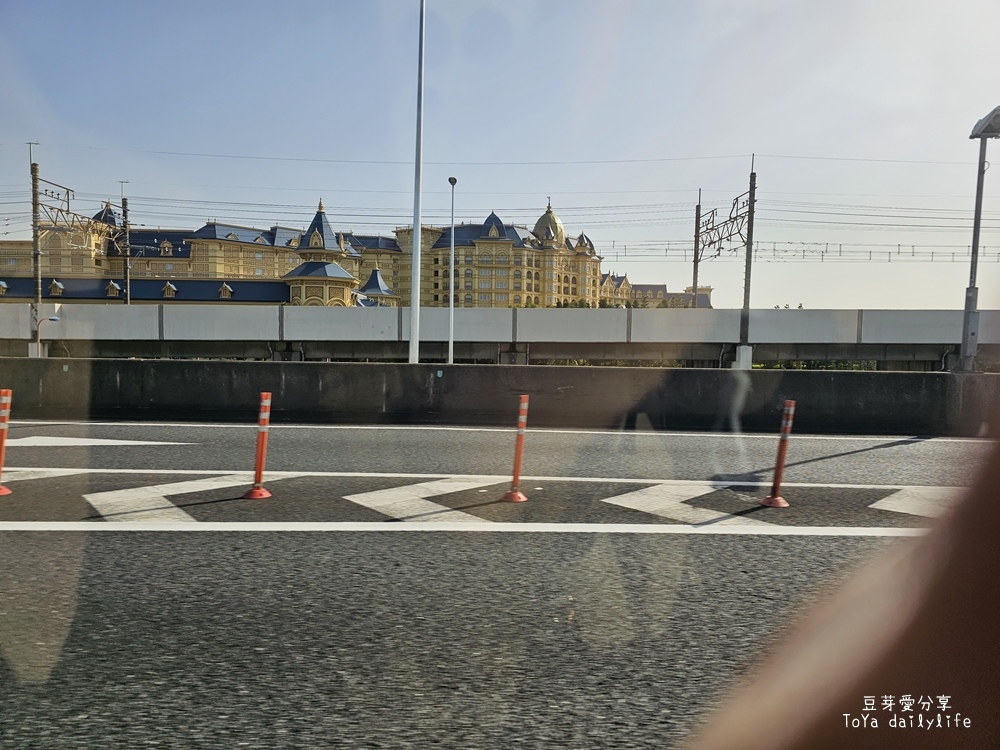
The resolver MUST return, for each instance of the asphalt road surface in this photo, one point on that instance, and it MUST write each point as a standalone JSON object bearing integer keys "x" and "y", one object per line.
{"x": 385, "y": 596}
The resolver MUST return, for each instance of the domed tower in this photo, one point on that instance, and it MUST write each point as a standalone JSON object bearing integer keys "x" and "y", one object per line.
{"x": 549, "y": 229}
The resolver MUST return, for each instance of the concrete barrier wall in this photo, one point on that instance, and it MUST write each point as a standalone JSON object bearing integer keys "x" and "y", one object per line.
{"x": 804, "y": 326}
{"x": 685, "y": 326}
{"x": 542, "y": 324}
{"x": 340, "y": 324}
{"x": 210, "y": 323}
{"x": 597, "y": 397}
{"x": 108, "y": 322}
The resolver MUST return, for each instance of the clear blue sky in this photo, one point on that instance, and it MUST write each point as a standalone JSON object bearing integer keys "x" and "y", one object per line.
{"x": 859, "y": 113}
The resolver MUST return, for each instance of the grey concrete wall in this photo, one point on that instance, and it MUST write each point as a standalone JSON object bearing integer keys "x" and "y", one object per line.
{"x": 599, "y": 397}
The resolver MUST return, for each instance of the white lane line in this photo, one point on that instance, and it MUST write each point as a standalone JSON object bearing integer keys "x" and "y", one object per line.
{"x": 929, "y": 502}
{"x": 150, "y": 503}
{"x": 488, "y": 478}
{"x": 669, "y": 501}
{"x": 410, "y": 503}
{"x": 45, "y": 441}
{"x": 538, "y": 430}
{"x": 479, "y": 526}
{"x": 15, "y": 475}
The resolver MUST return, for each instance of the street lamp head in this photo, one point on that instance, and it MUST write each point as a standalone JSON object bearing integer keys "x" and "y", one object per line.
{"x": 988, "y": 127}
{"x": 54, "y": 318}
{"x": 452, "y": 181}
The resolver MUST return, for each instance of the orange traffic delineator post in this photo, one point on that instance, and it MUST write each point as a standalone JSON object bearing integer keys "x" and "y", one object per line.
{"x": 263, "y": 425}
{"x": 514, "y": 494}
{"x": 5, "y": 399}
{"x": 775, "y": 500}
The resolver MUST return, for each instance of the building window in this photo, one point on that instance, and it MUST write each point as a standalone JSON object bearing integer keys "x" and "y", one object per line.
{"x": 258, "y": 272}
{"x": 169, "y": 290}
{"x": 468, "y": 285}
{"x": 548, "y": 287}
{"x": 501, "y": 298}
{"x": 486, "y": 284}
{"x": 485, "y": 259}
{"x": 502, "y": 259}
{"x": 436, "y": 272}
{"x": 517, "y": 299}
{"x": 436, "y": 285}
{"x": 485, "y": 272}
{"x": 11, "y": 261}
{"x": 437, "y": 261}
{"x": 468, "y": 261}
{"x": 468, "y": 299}
{"x": 517, "y": 274}
{"x": 468, "y": 273}
{"x": 112, "y": 289}
{"x": 501, "y": 272}
{"x": 501, "y": 285}
{"x": 225, "y": 291}
{"x": 258, "y": 256}
{"x": 166, "y": 248}
{"x": 517, "y": 261}
{"x": 517, "y": 286}
{"x": 56, "y": 289}
{"x": 485, "y": 297}
{"x": 436, "y": 298}
{"x": 549, "y": 276}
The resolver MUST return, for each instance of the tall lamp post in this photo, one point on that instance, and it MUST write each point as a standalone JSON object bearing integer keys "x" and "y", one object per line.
{"x": 451, "y": 279}
{"x": 988, "y": 127}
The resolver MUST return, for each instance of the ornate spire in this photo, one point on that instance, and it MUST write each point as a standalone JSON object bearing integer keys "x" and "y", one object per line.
{"x": 320, "y": 209}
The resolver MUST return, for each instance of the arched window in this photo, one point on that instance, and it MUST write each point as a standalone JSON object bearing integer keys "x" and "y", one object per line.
{"x": 536, "y": 300}
{"x": 565, "y": 279}
{"x": 574, "y": 279}
{"x": 517, "y": 274}
{"x": 517, "y": 299}
{"x": 468, "y": 273}
{"x": 468, "y": 299}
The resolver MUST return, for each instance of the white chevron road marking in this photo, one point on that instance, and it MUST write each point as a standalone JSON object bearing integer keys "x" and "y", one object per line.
{"x": 410, "y": 503}
{"x": 929, "y": 502}
{"x": 150, "y": 503}
{"x": 669, "y": 501}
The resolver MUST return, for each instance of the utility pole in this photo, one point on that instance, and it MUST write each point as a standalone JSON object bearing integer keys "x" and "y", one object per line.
{"x": 36, "y": 256}
{"x": 126, "y": 255}
{"x": 744, "y": 357}
{"x": 697, "y": 249}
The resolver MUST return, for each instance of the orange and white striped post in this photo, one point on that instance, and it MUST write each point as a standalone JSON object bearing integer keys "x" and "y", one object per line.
{"x": 263, "y": 425}
{"x": 514, "y": 494}
{"x": 5, "y": 399}
{"x": 775, "y": 500}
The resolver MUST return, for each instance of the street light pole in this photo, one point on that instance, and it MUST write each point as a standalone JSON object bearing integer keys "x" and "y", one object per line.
{"x": 988, "y": 127}
{"x": 451, "y": 279}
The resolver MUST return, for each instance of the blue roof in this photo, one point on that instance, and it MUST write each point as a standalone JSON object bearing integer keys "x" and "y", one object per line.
{"x": 188, "y": 290}
{"x": 106, "y": 215}
{"x": 376, "y": 286}
{"x": 372, "y": 242}
{"x": 146, "y": 242}
{"x": 467, "y": 234}
{"x": 319, "y": 268}
{"x": 330, "y": 239}
{"x": 215, "y": 231}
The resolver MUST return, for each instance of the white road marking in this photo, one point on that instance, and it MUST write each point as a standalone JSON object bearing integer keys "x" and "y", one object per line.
{"x": 669, "y": 501}
{"x": 44, "y": 441}
{"x": 929, "y": 502}
{"x": 409, "y": 503}
{"x": 512, "y": 428}
{"x": 17, "y": 475}
{"x": 150, "y": 503}
{"x": 478, "y": 526}
{"x": 487, "y": 478}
